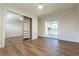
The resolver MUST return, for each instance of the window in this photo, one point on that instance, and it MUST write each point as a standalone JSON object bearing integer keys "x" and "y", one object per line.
{"x": 51, "y": 27}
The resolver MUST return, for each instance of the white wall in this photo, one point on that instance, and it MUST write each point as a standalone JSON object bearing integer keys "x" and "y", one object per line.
{"x": 2, "y": 39}
{"x": 1, "y": 26}
{"x": 78, "y": 13}
{"x": 68, "y": 24}
{"x": 34, "y": 28}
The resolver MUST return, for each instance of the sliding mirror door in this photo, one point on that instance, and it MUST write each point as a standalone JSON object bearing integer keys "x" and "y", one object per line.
{"x": 13, "y": 28}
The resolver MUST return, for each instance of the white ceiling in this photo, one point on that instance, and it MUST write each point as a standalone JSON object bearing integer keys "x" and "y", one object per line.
{"x": 32, "y": 8}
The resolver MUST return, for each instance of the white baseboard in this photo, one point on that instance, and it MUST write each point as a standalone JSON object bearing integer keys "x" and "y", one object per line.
{"x": 68, "y": 40}
{"x": 65, "y": 39}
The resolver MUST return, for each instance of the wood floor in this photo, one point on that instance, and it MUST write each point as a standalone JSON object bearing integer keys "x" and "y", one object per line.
{"x": 39, "y": 47}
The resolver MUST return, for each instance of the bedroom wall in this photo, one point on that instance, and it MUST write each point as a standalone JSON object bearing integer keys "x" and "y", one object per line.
{"x": 68, "y": 26}
{"x": 2, "y": 39}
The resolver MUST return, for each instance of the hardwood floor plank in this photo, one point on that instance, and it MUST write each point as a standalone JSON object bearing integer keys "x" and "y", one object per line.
{"x": 39, "y": 47}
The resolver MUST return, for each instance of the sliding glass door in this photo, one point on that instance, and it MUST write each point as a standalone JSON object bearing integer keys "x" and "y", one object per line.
{"x": 52, "y": 28}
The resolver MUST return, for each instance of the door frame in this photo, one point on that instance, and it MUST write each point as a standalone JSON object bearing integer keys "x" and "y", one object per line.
{"x": 30, "y": 26}
{"x": 53, "y": 19}
{"x": 4, "y": 25}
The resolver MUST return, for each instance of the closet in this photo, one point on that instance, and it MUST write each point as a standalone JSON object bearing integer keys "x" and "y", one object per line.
{"x": 27, "y": 32}
{"x": 17, "y": 27}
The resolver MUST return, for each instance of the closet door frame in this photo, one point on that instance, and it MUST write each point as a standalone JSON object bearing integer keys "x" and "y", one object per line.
{"x": 30, "y": 26}
{"x": 4, "y": 28}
